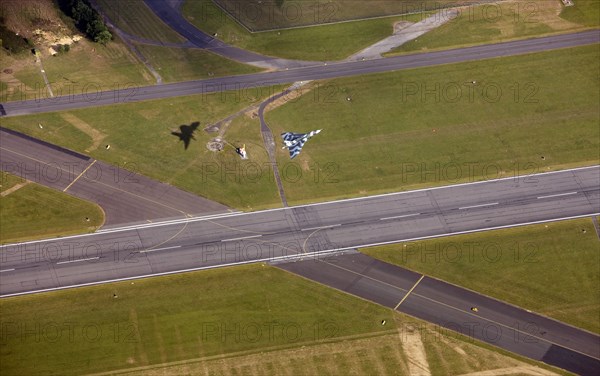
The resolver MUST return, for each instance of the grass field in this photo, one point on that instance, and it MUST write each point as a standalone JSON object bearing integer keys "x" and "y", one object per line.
{"x": 432, "y": 126}
{"x": 430, "y": 142}
{"x": 97, "y": 66}
{"x": 251, "y": 320}
{"x": 33, "y": 211}
{"x": 140, "y": 136}
{"x": 584, "y": 12}
{"x": 328, "y": 42}
{"x": 177, "y": 64}
{"x": 259, "y": 15}
{"x": 550, "y": 269}
{"x": 135, "y": 18}
{"x": 501, "y": 21}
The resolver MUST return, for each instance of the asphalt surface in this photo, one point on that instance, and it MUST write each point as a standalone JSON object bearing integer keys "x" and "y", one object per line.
{"x": 449, "y": 307}
{"x": 124, "y": 195}
{"x": 269, "y": 142}
{"x": 93, "y": 96}
{"x": 236, "y": 238}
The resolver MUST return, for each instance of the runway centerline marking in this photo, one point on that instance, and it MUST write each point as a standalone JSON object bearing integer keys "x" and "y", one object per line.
{"x": 399, "y": 216}
{"x": 79, "y": 260}
{"x": 478, "y": 206}
{"x": 242, "y": 238}
{"x": 320, "y": 228}
{"x": 558, "y": 195}
{"x": 6, "y": 270}
{"x": 409, "y": 291}
{"x": 80, "y": 175}
{"x": 160, "y": 249}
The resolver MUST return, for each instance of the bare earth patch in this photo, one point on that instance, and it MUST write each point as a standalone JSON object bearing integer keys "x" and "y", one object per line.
{"x": 13, "y": 188}
{"x": 415, "y": 352}
{"x": 94, "y": 134}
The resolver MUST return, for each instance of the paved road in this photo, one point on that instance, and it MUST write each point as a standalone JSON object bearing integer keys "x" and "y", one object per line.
{"x": 124, "y": 195}
{"x": 235, "y": 238}
{"x": 95, "y": 97}
{"x": 449, "y": 307}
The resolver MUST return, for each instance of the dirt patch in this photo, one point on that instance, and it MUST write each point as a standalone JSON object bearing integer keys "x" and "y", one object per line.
{"x": 13, "y": 188}
{"x": 401, "y": 25}
{"x": 39, "y": 22}
{"x": 95, "y": 134}
{"x": 292, "y": 96}
{"x": 414, "y": 351}
{"x": 215, "y": 145}
{"x": 349, "y": 350}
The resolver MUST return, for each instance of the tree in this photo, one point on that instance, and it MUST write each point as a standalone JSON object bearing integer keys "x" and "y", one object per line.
{"x": 103, "y": 37}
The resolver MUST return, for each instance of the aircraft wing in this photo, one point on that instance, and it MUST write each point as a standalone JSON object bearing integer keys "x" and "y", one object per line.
{"x": 295, "y": 141}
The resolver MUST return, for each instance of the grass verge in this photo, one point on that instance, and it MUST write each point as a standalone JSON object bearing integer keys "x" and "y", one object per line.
{"x": 502, "y": 21}
{"x": 327, "y": 42}
{"x": 434, "y": 126}
{"x": 178, "y": 64}
{"x": 30, "y": 211}
{"x": 274, "y": 14}
{"x": 135, "y": 18}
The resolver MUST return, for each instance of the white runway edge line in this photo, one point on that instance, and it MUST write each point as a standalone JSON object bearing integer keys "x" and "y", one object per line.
{"x": 478, "y": 206}
{"x": 558, "y": 195}
{"x": 79, "y": 260}
{"x": 227, "y": 215}
{"x": 160, "y": 249}
{"x": 169, "y": 222}
{"x": 320, "y": 227}
{"x": 6, "y": 270}
{"x": 291, "y": 257}
{"x": 483, "y": 229}
{"x": 400, "y": 216}
{"x": 267, "y": 259}
{"x": 242, "y": 238}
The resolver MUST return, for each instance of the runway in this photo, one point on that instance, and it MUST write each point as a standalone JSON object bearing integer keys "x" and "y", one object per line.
{"x": 449, "y": 307}
{"x": 237, "y": 238}
{"x": 124, "y": 195}
{"x": 93, "y": 96}
{"x": 310, "y": 240}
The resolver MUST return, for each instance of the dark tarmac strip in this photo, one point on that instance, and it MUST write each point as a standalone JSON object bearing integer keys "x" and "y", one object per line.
{"x": 96, "y": 96}
{"x": 449, "y": 306}
{"x": 124, "y": 195}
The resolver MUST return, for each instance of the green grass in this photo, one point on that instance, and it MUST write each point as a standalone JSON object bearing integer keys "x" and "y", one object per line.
{"x": 34, "y": 211}
{"x": 328, "y": 42}
{"x": 135, "y": 18}
{"x": 274, "y": 14}
{"x": 351, "y": 157}
{"x": 8, "y": 181}
{"x": 98, "y": 68}
{"x": 252, "y": 320}
{"x": 584, "y": 12}
{"x": 176, "y": 64}
{"x": 551, "y": 268}
{"x": 495, "y": 22}
{"x": 141, "y": 140}
{"x": 179, "y": 317}
{"x": 386, "y": 140}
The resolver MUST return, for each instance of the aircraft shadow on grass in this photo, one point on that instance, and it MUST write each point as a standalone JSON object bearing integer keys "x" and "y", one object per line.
{"x": 186, "y": 133}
